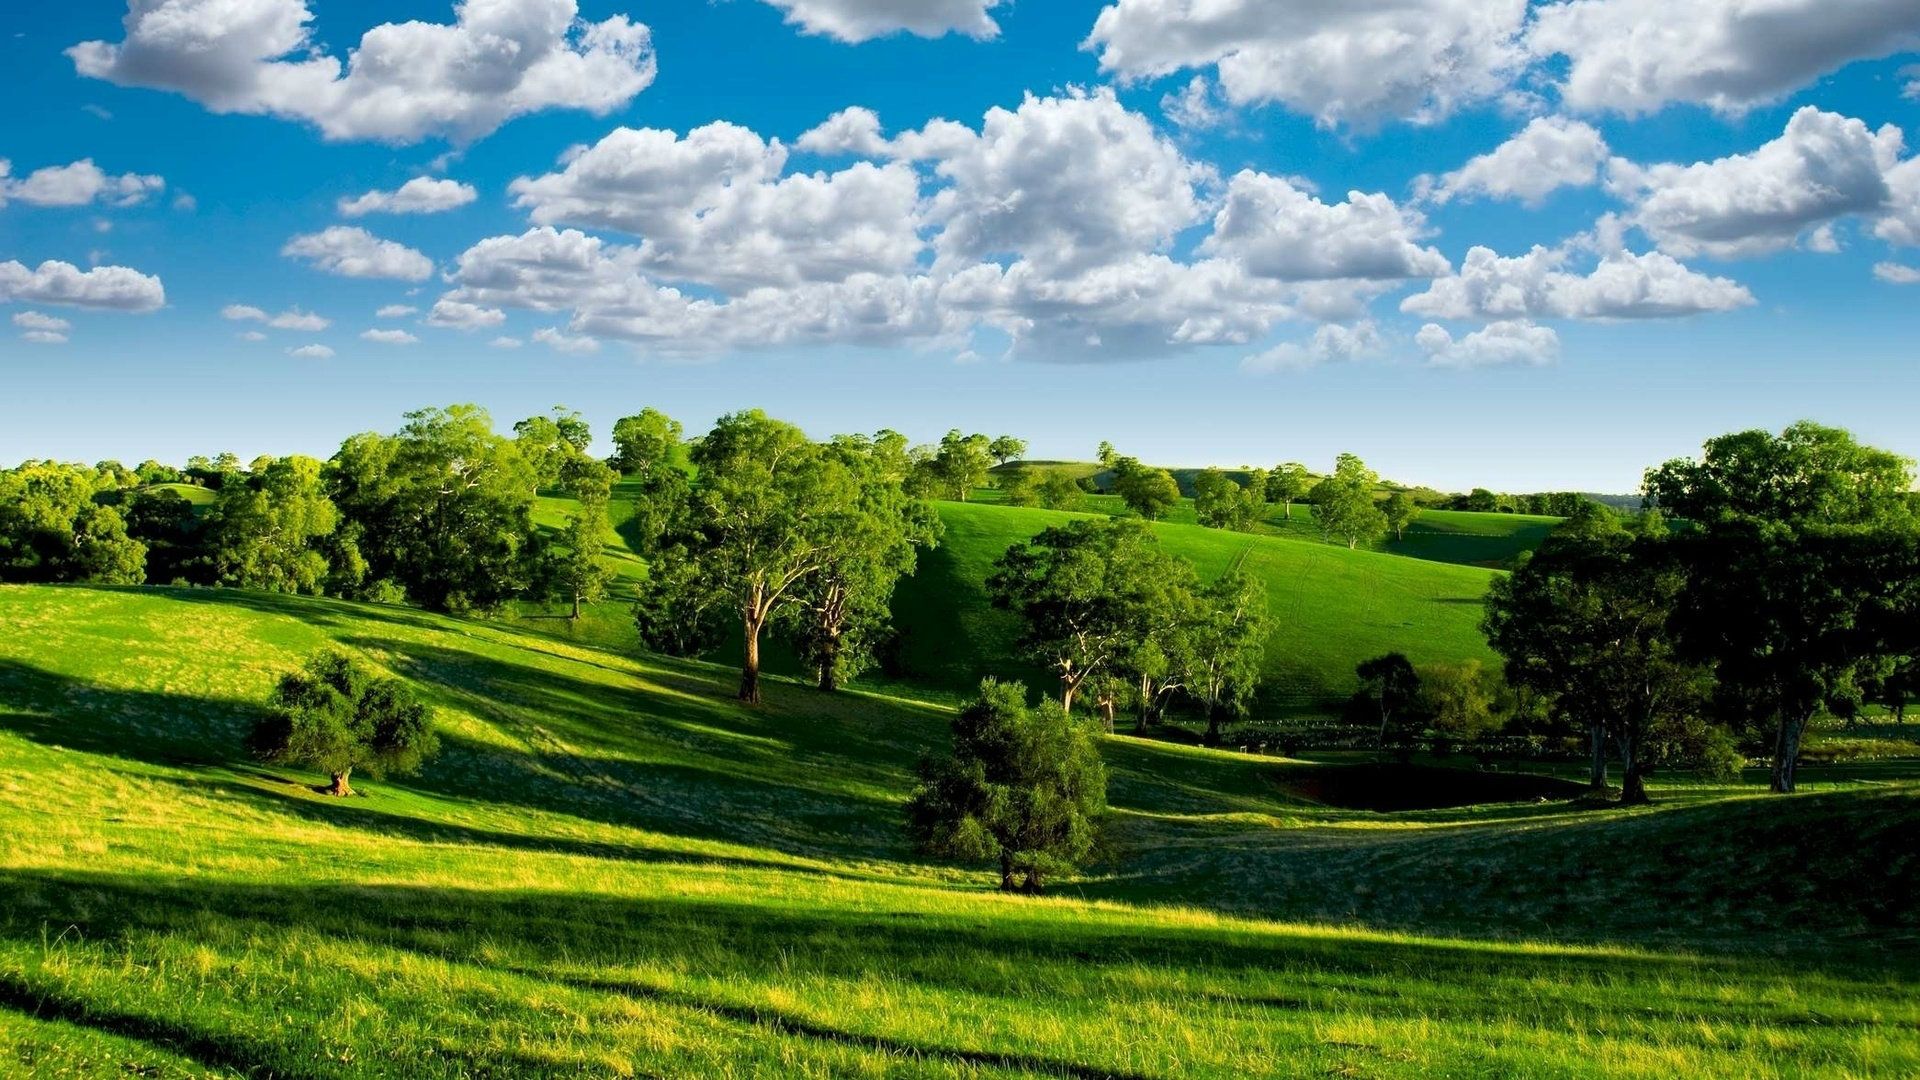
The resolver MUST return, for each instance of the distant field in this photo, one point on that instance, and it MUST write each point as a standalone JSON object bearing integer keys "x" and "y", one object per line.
{"x": 1331, "y": 608}
{"x": 193, "y": 493}
{"x": 615, "y": 870}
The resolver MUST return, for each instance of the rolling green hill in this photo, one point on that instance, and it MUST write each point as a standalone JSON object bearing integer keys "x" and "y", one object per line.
{"x": 614, "y": 870}
{"x": 1330, "y": 608}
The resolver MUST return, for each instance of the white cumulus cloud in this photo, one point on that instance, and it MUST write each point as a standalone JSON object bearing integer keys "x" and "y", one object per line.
{"x": 290, "y": 319}
{"x": 1622, "y": 285}
{"x": 354, "y": 252}
{"x": 1822, "y": 167}
{"x": 1337, "y": 61}
{"x": 403, "y": 82}
{"x": 864, "y": 20}
{"x": 1550, "y": 153}
{"x": 1637, "y": 56}
{"x": 111, "y": 288}
{"x": 388, "y": 337}
{"x": 1330, "y": 343}
{"x": 79, "y": 184}
{"x": 1279, "y": 231}
{"x": 311, "y": 352}
{"x": 1513, "y": 341}
{"x": 420, "y": 195}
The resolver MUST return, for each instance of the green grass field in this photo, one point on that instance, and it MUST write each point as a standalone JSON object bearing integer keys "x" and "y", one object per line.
{"x": 1330, "y": 608}
{"x": 614, "y": 870}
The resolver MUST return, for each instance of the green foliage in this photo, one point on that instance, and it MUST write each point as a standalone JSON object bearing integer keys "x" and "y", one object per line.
{"x": 841, "y": 607}
{"x": 163, "y": 520}
{"x": 1390, "y": 697}
{"x": 579, "y": 574}
{"x": 1343, "y": 503}
{"x": 646, "y": 442}
{"x": 1005, "y": 448}
{"x": 960, "y": 464}
{"x": 269, "y": 528}
{"x": 1226, "y": 643}
{"x": 1221, "y": 502}
{"x": 1587, "y": 623}
{"x": 1287, "y": 484}
{"x": 444, "y": 509}
{"x": 1019, "y": 486}
{"x": 550, "y": 443}
{"x": 1461, "y": 702}
{"x": 1400, "y": 511}
{"x": 1025, "y": 787}
{"x": 1147, "y": 491}
{"x": 1061, "y": 492}
{"x": 769, "y": 510}
{"x": 55, "y": 527}
{"x": 337, "y": 716}
{"x": 1799, "y": 551}
{"x": 1082, "y": 591}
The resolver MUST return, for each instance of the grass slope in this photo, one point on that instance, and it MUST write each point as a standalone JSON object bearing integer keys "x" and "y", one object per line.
{"x": 613, "y": 870}
{"x": 1331, "y": 608}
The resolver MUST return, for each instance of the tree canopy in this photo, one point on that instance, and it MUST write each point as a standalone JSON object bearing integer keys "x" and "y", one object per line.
{"x": 1025, "y": 787}
{"x": 337, "y": 715}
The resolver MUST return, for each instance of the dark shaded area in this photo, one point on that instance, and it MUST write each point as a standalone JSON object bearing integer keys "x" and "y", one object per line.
{"x": 1390, "y": 788}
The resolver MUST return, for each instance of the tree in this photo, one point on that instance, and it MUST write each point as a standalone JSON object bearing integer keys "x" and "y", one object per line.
{"x": 1226, "y": 644}
{"x": 1019, "y": 486}
{"x": 1287, "y": 483}
{"x": 1106, "y": 455}
{"x": 1025, "y": 788}
{"x": 550, "y": 443}
{"x": 1792, "y": 545}
{"x": 336, "y": 715}
{"x": 1461, "y": 702}
{"x": 1080, "y": 590}
{"x": 268, "y": 528}
{"x": 843, "y": 607}
{"x": 1587, "y": 622}
{"x": 580, "y": 575}
{"x": 1401, "y": 511}
{"x": 962, "y": 462}
{"x": 769, "y": 509}
{"x": 1390, "y": 689}
{"x": 1058, "y": 491}
{"x": 166, "y": 523}
{"x": 1147, "y": 491}
{"x": 55, "y": 528}
{"x": 444, "y": 509}
{"x": 1220, "y": 502}
{"x": 1344, "y": 504}
{"x": 1006, "y": 448}
{"x": 646, "y": 441}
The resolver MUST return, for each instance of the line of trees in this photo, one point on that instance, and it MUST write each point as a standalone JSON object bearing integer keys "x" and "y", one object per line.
{"x": 1772, "y": 577}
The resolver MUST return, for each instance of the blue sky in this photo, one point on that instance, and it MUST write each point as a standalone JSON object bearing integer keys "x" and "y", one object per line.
{"x": 1068, "y": 221}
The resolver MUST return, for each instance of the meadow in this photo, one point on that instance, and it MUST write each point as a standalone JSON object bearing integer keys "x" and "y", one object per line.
{"x": 615, "y": 870}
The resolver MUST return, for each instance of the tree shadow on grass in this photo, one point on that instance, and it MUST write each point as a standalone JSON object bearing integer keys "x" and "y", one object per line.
{"x": 723, "y": 951}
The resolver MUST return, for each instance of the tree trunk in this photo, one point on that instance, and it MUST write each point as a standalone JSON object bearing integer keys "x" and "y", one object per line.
{"x": 576, "y": 607}
{"x": 1006, "y": 872}
{"x": 340, "y": 785}
{"x": 750, "y": 667}
{"x": 1146, "y": 704}
{"x": 1786, "y": 749}
{"x": 1633, "y": 786}
{"x": 1213, "y": 726}
{"x": 1597, "y": 778}
{"x": 830, "y": 664}
{"x": 1032, "y": 886}
{"x": 1289, "y": 509}
{"x": 1385, "y": 715}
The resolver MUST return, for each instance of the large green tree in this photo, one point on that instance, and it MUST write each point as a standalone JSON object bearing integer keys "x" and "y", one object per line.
{"x": 1226, "y": 643}
{"x": 961, "y": 463}
{"x": 1025, "y": 788}
{"x": 842, "y": 608}
{"x": 1082, "y": 590}
{"x": 1147, "y": 491}
{"x": 1390, "y": 694}
{"x": 646, "y": 441}
{"x": 1287, "y": 484}
{"x": 337, "y": 715}
{"x": 1587, "y": 621}
{"x": 1792, "y": 545}
{"x": 1221, "y": 502}
{"x": 1343, "y": 503}
{"x": 269, "y": 528}
{"x": 580, "y": 574}
{"x": 1400, "y": 511}
{"x": 768, "y": 511}
{"x": 443, "y": 509}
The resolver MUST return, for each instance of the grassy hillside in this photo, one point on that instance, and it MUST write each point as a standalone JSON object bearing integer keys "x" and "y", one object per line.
{"x": 1331, "y": 608}
{"x": 1452, "y": 536}
{"x": 613, "y": 870}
